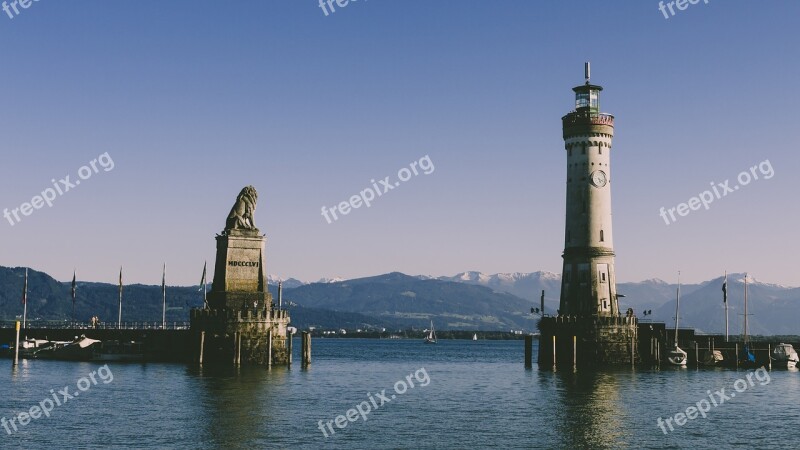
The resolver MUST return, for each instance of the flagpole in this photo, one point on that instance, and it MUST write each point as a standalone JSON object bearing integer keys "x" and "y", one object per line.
{"x": 73, "y": 298}
{"x": 164, "y": 295}
{"x": 25, "y": 300}
{"x": 726, "y": 305}
{"x": 119, "y": 320}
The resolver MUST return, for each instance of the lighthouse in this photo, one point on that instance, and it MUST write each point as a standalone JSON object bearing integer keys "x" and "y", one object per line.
{"x": 588, "y": 282}
{"x": 588, "y": 329}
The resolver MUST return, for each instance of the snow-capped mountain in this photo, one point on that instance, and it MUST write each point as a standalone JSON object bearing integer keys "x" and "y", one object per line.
{"x": 525, "y": 285}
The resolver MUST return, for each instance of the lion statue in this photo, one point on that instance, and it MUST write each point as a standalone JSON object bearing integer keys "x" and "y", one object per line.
{"x": 241, "y": 215}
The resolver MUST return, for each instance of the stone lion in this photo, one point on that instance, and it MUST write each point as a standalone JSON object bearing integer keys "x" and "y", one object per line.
{"x": 241, "y": 215}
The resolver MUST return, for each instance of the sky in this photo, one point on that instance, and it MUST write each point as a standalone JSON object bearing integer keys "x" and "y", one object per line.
{"x": 193, "y": 100}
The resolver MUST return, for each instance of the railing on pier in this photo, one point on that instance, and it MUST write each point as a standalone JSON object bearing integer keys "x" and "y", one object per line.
{"x": 68, "y": 325}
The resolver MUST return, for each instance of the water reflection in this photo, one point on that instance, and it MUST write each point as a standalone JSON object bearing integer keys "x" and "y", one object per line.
{"x": 589, "y": 415}
{"x": 238, "y": 405}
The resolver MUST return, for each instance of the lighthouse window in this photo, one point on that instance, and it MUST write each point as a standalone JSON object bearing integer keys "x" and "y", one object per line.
{"x": 600, "y": 150}
{"x": 601, "y": 236}
{"x": 602, "y": 277}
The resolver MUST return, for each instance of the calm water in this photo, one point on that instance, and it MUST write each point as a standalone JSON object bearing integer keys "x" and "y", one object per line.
{"x": 478, "y": 395}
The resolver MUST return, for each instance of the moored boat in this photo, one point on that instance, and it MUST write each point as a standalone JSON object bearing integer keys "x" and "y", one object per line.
{"x": 81, "y": 349}
{"x": 676, "y": 356}
{"x": 784, "y": 356}
{"x": 712, "y": 358}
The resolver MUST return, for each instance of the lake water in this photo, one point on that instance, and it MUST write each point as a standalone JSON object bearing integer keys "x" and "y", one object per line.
{"x": 465, "y": 394}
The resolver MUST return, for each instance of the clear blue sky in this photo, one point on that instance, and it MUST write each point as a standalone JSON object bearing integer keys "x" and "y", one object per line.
{"x": 195, "y": 99}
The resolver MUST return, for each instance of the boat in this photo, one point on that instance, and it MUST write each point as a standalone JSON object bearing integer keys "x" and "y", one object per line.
{"x": 431, "y": 337}
{"x": 746, "y": 357}
{"x": 712, "y": 358}
{"x": 676, "y": 356}
{"x": 475, "y": 337}
{"x": 81, "y": 349}
{"x": 784, "y": 356}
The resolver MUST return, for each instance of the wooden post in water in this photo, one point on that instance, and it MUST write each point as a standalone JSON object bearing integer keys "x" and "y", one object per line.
{"x": 269, "y": 348}
{"x": 696, "y": 355}
{"x": 769, "y": 355}
{"x": 306, "y": 348}
{"x": 289, "y": 340}
{"x": 554, "y": 350}
{"x": 202, "y": 345}
{"x": 633, "y": 352}
{"x": 736, "y": 357}
{"x": 235, "y": 344}
{"x": 528, "y": 351}
{"x": 16, "y": 346}
{"x": 574, "y": 351}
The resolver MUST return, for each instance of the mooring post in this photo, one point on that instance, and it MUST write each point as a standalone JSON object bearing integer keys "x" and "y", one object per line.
{"x": 528, "y": 351}
{"x": 16, "y": 347}
{"x": 290, "y": 339}
{"x": 235, "y": 342}
{"x": 633, "y": 352}
{"x": 306, "y": 348}
{"x": 574, "y": 351}
{"x": 736, "y": 358}
{"x": 202, "y": 345}
{"x": 269, "y": 348}
{"x": 554, "y": 350}
{"x": 769, "y": 355}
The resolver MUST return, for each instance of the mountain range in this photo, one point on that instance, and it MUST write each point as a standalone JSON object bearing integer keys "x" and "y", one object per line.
{"x": 466, "y": 301}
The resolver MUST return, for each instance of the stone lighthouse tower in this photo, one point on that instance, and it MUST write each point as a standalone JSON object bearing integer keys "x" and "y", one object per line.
{"x": 588, "y": 283}
{"x": 588, "y": 328}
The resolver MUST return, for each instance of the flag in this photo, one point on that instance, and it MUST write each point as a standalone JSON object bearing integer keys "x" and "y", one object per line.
{"x": 74, "y": 286}
{"x": 164, "y": 280}
{"x": 725, "y": 292}
{"x": 203, "y": 280}
{"x": 25, "y": 289}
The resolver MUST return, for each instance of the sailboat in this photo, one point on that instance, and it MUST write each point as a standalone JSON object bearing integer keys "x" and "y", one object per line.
{"x": 746, "y": 358}
{"x": 676, "y": 356}
{"x": 475, "y": 337}
{"x": 431, "y": 337}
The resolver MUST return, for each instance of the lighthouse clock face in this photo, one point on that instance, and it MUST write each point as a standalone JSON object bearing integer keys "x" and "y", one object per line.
{"x": 598, "y": 178}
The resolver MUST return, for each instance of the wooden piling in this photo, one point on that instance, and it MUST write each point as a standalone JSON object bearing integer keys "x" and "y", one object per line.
{"x": 736, "y": 357}
{"x": 202, "y": 345}
{"x": 269, "y": 348}
{"x": 235, "y": 345}
{"x": 574, "y": 351}
{"x": 306, "y": 348}
{"x": 769, "y": 355}
{"x": 16, "y": 347}
{"x": 696, "y": 355}
{"x": 554, "y": 350}
{"x": 528, "y": 351}
{"x": 289, "y": 340}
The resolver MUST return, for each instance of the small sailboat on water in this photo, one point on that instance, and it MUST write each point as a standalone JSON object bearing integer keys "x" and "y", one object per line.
{"x": 475, "y": 337}
{"x": 431, "y": 337}
{"x": 676, "y": 356}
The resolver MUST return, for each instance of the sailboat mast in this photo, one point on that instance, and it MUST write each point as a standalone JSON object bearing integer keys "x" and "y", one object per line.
{"x": 745, "y": 308}
{"x": 677, "y": 308}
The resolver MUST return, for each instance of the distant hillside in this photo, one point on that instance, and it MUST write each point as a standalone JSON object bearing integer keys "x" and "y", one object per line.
{"x": 410, "y": 300}
{"x": 468, "y": 301}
